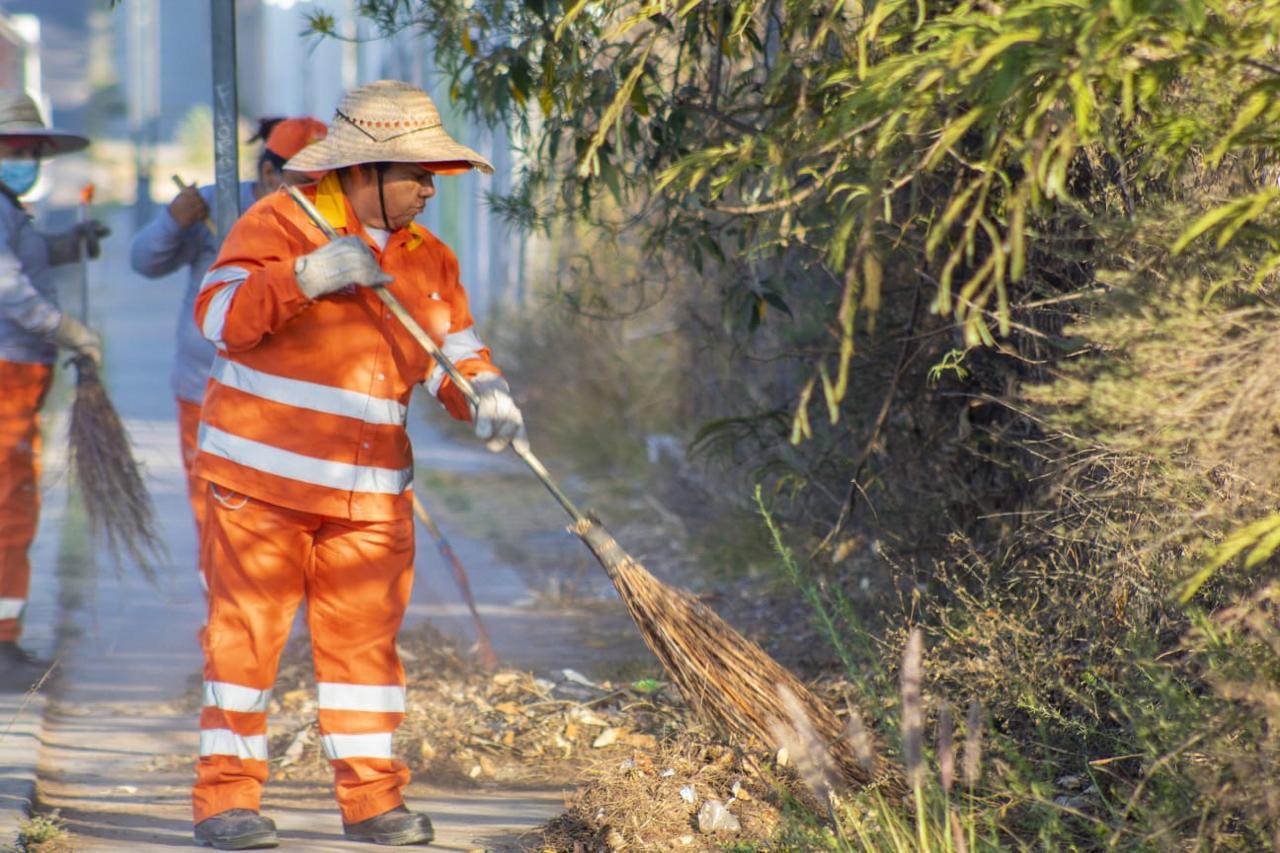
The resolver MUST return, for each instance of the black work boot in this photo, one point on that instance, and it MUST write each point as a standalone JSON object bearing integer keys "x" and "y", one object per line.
{"x": 236, "y": 829}
{"x": 395, "y": 828}
{"x": 19, "y": 669}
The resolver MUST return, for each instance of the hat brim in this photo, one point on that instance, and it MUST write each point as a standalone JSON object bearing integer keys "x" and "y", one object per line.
{"x": 340, "y": 149}
{"x": 51, "y": 141}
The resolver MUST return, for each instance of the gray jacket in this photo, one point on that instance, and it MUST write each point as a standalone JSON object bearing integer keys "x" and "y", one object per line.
{"x": 162, "y": 247}
{"x": 28, "y": 299}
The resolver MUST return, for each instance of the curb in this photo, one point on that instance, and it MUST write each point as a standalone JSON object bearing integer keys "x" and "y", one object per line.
{"x": 21, "y": 718}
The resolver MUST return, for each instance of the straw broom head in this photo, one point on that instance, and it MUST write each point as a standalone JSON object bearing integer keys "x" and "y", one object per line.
{"x": 102, "y": 466}
{"x": 722, "y": 674}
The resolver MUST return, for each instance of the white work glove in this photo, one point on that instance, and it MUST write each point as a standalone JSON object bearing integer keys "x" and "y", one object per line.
{"x": 497, "y": 417}
{"x": 336, "y": 265}
{"x": 81, "y": 239}
{"x": 74, "y": 335}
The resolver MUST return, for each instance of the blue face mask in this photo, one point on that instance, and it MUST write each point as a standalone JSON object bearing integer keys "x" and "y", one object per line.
{"x": 19, "y": 175}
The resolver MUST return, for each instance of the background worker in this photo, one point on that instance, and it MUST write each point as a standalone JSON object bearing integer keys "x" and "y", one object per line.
{"x": 303, "y": 441}
{"x": 180, "y": 236}
{"x": 32, "y": 327}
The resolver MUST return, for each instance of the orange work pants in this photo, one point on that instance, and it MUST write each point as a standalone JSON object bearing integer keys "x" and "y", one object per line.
{"x": 22, "y": 391}
{"x": 188, "y": 435}
{"x": 260, "y": 560}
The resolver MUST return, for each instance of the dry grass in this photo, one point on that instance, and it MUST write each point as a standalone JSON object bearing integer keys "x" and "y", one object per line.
{"x": 46, "y": 833}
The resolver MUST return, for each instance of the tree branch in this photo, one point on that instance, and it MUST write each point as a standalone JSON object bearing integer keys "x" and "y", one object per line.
{"x": 724, "y": 119}
{"x": 1262, "y": 66}
{"x": 787, "y": 201}
{"x": 855, "y": 488}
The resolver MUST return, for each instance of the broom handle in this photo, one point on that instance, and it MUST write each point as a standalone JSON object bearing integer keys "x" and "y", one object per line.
{"x": 424, "y": 340}
{"x": 82, "y": 216}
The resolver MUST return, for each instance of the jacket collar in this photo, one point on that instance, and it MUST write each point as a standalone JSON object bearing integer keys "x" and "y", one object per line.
{"x": 332, "y": 203}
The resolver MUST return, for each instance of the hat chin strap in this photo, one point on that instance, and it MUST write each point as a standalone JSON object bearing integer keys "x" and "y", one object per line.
{"x": 381, "y": 169}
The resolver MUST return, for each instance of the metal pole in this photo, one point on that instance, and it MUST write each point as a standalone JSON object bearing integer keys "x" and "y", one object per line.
{"x": 226, "y": 147}
{"x": 144, "y": 100}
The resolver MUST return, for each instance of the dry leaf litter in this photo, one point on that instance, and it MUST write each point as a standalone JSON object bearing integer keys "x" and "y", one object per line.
{"x": 648, "y": 775}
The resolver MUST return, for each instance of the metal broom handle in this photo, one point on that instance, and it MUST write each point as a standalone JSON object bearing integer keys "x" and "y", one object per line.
{"x": 424, "y": 340}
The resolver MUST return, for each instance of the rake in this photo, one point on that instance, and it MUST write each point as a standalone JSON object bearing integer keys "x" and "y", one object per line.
{"x": 724, "y": 676}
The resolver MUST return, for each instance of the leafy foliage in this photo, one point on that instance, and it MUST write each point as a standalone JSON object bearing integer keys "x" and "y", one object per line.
{"x": 952, "y": 141}
{"x": 1009, "y": 269}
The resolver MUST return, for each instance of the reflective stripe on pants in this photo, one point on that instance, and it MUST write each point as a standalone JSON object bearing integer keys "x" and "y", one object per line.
{"x": 260, "y": 561}
{"x": 22, "y": 391}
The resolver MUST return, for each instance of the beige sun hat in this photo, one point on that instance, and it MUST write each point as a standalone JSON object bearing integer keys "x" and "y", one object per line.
{"x": 386, "y": 122}
{"x": 22, "y": 128}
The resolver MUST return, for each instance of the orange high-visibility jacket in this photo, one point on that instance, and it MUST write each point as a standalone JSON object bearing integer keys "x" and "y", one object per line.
{"x": 307, "y": 400}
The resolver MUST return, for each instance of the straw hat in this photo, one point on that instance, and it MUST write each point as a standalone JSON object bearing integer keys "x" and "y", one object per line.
{"x": 387, "y": 122}
{"x": 21, "y": 127}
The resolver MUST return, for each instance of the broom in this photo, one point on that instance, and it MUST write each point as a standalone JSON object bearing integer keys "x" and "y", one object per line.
{"x": 101, "y": 460}
{"x": 111, "y": 487}
{"x": 724, "y": 676}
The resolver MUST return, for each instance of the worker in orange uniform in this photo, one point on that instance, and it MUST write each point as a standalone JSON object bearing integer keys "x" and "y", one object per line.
{"x": 180, "y": 236}
{"x": 303, "y": 442}
{"x": 32, "y": 328}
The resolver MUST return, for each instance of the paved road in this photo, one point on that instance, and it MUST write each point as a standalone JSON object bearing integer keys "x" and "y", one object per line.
{"x": 116, "y": 748}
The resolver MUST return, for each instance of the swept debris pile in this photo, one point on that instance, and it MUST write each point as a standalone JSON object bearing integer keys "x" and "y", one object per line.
{"x": 465, "y": 726}
{"x": 689, "y": 794}
{"x": 649, "y": 775}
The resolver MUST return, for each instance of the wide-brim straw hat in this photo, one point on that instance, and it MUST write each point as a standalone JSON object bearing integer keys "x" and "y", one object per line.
{"x": 386, "y": 122}
{"x": 22, "y": 127}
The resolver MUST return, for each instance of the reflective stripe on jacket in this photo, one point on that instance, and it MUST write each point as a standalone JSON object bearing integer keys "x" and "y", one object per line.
{"x": 307, "y": 400}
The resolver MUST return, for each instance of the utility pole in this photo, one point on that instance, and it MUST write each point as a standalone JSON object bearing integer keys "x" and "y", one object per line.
{"x": 144, "y": 99}
{"x": 226, "y": 108}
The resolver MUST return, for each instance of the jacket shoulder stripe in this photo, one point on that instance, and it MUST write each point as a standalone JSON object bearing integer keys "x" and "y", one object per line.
{"x": 221, "y": 275}
{"x": 463, "y": 344}
{"x": 215, "y": 316}
{"x": 458, "y": 346}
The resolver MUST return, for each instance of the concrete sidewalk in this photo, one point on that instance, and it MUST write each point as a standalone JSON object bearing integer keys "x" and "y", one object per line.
{"x": 121, "y": 778}
{"x": 20, "y": 724}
